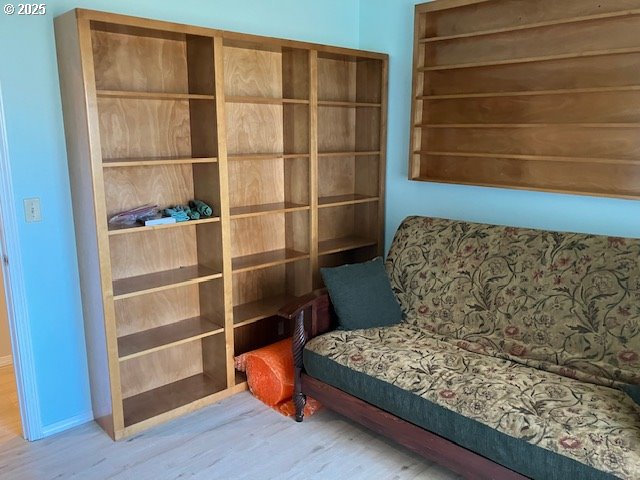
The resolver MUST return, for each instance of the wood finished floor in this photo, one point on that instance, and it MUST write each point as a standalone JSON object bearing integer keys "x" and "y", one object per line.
{"x": 9, "y": 413}
{"x": 238, "y": 438}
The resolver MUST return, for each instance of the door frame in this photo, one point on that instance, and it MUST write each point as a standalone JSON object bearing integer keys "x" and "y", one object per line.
{"x": 15, "y": 292}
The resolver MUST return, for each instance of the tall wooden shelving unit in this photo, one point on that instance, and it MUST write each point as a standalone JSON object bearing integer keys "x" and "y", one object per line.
{"x": 285, "y": 139}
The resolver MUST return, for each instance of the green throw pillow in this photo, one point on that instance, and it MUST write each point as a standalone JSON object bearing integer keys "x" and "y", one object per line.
{"x": 633, "y": 391}
{"x": 361, "y": 295}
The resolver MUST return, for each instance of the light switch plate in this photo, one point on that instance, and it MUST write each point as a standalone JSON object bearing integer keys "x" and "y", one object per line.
{"x": 32, "y": 210}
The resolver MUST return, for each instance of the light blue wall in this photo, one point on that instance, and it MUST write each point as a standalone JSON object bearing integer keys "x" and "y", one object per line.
{"x": 387, "y": 25}
{"x": 29, "y": 82}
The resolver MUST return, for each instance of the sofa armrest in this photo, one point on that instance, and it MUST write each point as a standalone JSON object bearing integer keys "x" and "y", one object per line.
{"x": 313, "y": 316}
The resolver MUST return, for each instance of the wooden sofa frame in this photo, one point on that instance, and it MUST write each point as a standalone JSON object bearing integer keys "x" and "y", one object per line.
{"x": 313, "y": 315}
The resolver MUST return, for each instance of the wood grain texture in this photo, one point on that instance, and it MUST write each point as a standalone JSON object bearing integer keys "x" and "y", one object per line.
{"x": 254, "y": 128}
{"x": 155, "y": 310}
{"x": 168, "y": 397}
{"x": 250, "y": 312}
{"x": 165, "y": 280}
{"x": 494, "y": 15}
{"x": 349, "y": 221}
{"x": 519, "y": 93}
{"x": 139, "y": 63}
{"x": 581, "y": 108}
{"x": 164, "y": 185}
{"x": 132, "y": 128}
{"x": 336, "y": 176}
{"x": 597, "y": 179}
{"x": 252, "y": 286}
{"x": 605, "y": 34}
{"x": 10, "y": 424}
{"x": 336, "y": 79}
{"x": 160, "y": 368}
{"x": 544, "y": 141}
{"x": 148, "y": 341}
{"x": 588, "y": 72}
{"x": 256, "y": 182}
{"x": 250, "y": 72}
{"x": 267, "y": 259}
{"x": 205, "y": 445}
{"x": 254, "y": 235}
{"x": 153, "y": 251}
{"x": 335, "y": 129}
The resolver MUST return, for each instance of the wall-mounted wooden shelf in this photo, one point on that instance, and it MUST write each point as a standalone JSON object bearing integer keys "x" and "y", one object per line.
{"x": 240, "y": 122}
{"x": 530, "y": 26}
{"x": 528, "y": 94}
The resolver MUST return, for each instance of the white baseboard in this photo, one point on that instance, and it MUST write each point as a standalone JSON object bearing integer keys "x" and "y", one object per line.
{"x": 63, "y": 425}
{"x": 6, "y": 360}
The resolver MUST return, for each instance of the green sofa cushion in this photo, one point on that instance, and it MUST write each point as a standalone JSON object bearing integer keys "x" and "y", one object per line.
{"x": 533, "y": 421}
{"x": 361, "y": 295}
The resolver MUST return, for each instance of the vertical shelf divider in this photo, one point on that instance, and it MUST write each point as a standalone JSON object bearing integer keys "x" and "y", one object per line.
{"x": 225, "y": 220}
{"x": 313, "y": 159}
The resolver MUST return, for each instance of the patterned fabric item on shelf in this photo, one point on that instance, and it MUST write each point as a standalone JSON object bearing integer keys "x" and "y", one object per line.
{"x": 592, "y": 424}
{"x": 270, "y": 377}
{"x": 202, "y": 208}
{"x": 563, "y": 302}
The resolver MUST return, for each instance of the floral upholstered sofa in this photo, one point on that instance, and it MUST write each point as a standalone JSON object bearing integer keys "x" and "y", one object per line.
{"x": 522, "y": 346}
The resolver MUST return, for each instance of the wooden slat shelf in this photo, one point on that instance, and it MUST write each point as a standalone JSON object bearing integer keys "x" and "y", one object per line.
{"x": 248, "y": 313}
{"x": 266, "y": 259}
{"x": 339, "y": 200}
{"x": 332, "y": 103}
{"x": 544, "y": 58}
{"x": 530, "y": 26}
{"x": 169, "y": 397}
{"x": 152, "y": 95}
{"x": 266, "y": 156}
{"x": 336, "y": 245}
{"x": 264, "y": 100}
{"x": 142, "y": 228}
{"x": 148, "y": 341}
{"x": 266, "y": 209}
{"x": 155, "y": 282}
{"x": 540, "y": 158}
{"x": 531, "y": 93}
{"x": 150, "y": 162}
{"x": 349, "y": 154}
{"x": 527, "y": 125}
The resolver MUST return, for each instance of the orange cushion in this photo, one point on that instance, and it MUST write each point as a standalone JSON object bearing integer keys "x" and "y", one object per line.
{"x": 270, "y": 376}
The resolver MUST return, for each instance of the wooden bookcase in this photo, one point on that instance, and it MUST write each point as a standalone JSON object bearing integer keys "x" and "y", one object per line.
{"x": 528, "y": 94}
{"x": 286, "y": 140}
